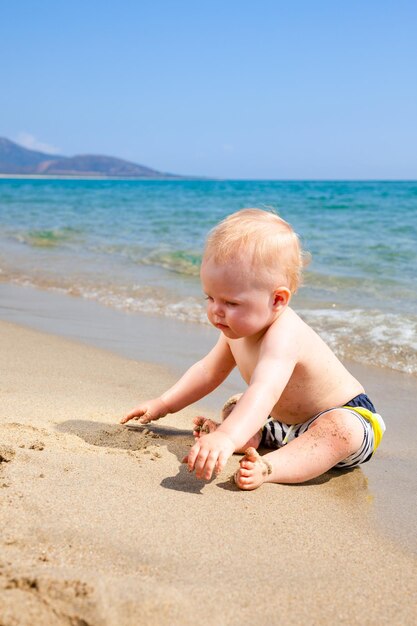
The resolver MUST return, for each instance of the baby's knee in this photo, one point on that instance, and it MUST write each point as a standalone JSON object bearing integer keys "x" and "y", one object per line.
{"x": 342, "y": 427}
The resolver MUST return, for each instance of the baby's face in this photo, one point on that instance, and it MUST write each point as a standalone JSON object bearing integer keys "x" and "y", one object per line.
{"x": 236, "y": 305}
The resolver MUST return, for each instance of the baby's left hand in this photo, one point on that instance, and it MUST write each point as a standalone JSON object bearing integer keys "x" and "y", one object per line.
{"x": 210, "y": 452}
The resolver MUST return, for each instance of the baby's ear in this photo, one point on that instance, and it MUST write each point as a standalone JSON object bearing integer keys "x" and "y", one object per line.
{"x": 281, "y": 297}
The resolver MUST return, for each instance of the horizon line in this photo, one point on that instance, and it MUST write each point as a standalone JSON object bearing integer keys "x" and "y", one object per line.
{"x": 182, "y": 178}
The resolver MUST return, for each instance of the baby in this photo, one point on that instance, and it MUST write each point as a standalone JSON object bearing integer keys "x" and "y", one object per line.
{"x": 300, "y": 400}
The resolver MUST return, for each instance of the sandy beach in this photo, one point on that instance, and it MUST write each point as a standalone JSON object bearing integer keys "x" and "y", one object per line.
{"x": 103, "y": 525}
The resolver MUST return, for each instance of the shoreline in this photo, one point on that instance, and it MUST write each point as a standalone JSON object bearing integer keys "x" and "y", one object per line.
{"x": 167, "y": 342}
{"x": 103, "y": 523}
{"x": 75, "y": 317}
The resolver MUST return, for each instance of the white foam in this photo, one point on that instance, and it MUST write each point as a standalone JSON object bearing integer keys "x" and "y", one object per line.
{"x": 368, "y": 336}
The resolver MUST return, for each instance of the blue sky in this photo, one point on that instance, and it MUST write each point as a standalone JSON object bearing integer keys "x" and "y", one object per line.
{"x": 294, "y": 89}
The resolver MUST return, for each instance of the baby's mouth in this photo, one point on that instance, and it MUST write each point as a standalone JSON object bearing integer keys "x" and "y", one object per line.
{"x": 220, "y": 325}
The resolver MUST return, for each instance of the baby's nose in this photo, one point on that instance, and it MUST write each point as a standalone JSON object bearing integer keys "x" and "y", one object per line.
{"x": 218, "y": 309}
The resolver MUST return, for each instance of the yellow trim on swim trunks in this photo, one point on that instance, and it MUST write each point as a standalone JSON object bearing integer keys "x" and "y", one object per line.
{"x": 373, "y": 419}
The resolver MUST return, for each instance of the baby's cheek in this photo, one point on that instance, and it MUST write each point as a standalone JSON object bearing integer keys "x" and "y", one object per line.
{"x": 244, "y": 319}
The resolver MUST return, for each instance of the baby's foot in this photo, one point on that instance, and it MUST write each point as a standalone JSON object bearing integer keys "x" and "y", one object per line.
{"x": 230, "y": 404}
{"x": 203, "y": 426}
{"x": 253, "y": 470}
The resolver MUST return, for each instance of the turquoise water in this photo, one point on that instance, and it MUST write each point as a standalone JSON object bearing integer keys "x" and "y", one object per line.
{"x": 136, "y": 246}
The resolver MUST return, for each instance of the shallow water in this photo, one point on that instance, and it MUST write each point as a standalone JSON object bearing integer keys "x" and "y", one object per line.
{"x": 136, "y": 246}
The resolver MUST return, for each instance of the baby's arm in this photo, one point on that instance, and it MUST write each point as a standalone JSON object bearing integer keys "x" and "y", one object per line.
{"x": 276, "y": 363}
{"x": 202, "y": 378}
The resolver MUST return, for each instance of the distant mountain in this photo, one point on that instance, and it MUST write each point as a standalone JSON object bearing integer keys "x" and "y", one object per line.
{"x": 16, "y": 160}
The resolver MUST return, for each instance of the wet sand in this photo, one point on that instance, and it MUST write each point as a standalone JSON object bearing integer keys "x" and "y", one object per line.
{"x": 103, "y": 525}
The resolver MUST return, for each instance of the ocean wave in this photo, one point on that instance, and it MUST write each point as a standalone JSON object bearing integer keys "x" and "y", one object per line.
{"x": 370, "y": 337}
{"x": 180, "y": 261}
{"x": 48, "y": 238}
{"x": 184, "y": 262}
{"x": 186, "y": 310}
{"x": 129, "y": 298}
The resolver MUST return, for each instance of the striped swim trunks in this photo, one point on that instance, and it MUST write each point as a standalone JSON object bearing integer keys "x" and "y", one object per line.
{"x": 276, "y": 434}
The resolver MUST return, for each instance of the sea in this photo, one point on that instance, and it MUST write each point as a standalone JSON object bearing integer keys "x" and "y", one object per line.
{"x": 135, "y": 246}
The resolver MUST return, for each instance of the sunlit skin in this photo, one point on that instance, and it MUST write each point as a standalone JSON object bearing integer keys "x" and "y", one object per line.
{"x": 290, "y": 373}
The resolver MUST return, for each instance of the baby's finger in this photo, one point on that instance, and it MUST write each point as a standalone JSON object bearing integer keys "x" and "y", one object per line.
{"x": 132, "y": 415}
{"x": 145, "y": 418}
{"x": 209, "y": 465}
{"x": 192, "y": 455}
{"x": 135, "y": 414}
{"x": 200, "y": 463}
{"x": 221, "y": 463}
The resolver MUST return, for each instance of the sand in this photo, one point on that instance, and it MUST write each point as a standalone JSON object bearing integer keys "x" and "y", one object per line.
{"x": 103, "y": 525}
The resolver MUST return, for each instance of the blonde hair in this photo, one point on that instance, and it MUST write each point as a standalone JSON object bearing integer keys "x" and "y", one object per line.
{"x": 265, "y": 239}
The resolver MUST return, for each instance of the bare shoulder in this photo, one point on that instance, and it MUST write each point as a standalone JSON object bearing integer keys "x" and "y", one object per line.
{"x": 289, "y": 337}
{"x": 287, "y": 333}
{"x": 288, "y": 320}
{"x": 315, "y": 359}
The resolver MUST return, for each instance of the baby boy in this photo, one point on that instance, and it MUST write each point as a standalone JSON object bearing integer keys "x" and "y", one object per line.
{"x": 300, "y": 401}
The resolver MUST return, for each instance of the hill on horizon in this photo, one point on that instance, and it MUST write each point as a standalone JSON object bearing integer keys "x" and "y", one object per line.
{"x": 17, "y": 160}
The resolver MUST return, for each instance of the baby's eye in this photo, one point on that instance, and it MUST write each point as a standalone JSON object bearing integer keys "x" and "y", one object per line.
{"x": 209, "y": 298}
{"x": 231, "y": 303}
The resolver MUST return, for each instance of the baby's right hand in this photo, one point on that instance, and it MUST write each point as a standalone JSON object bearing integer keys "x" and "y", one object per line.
{"x": 147, "y": 412}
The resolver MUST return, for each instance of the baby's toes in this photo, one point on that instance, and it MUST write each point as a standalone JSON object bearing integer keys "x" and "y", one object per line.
{"x": 242, "y": 481}
{"x": 251, "y": 454}
{"x": 239, "y": 479}
{"x": 252, "y": 472}
{"x": 245, "y": 472}
{"x": 247, "y": 465}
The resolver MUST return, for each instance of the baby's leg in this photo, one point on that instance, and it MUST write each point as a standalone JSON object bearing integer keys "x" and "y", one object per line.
{"x": 330, "y": 439}
{"x": 202, "y": 425}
